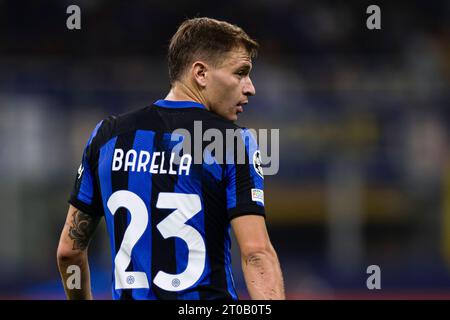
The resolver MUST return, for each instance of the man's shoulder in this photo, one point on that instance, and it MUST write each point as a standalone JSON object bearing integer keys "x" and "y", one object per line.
{"x": 114, "y": 125}
{"x": 128, "y": 121}
{"x": 146, "y": 117}
{"x": 213, "y": 121}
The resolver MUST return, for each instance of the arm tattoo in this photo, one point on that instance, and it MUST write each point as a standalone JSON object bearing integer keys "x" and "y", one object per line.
{"x": 81, "y": 229}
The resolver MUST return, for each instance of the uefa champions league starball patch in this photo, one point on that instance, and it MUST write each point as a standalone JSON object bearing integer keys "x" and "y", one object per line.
{"x": 257, "y": 163}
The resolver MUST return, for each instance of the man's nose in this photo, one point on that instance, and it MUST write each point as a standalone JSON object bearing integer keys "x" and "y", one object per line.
{"x": 249, "y": 89}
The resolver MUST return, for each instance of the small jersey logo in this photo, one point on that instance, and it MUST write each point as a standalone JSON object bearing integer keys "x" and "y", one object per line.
{"x": 258, "y": 195}
{"x": 257, "y": 163}
{"x": 176, "y": 282}
{"x": 80, "y": 171}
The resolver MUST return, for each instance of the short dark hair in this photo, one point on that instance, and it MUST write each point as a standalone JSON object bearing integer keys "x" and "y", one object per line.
{"x": 205, "y": 38}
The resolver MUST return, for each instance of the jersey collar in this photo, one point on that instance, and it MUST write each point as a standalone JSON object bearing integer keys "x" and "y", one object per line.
{"x": 178, "y": 104}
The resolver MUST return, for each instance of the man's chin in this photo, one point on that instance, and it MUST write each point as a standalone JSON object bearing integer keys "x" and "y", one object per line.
{"x": 233, "y": 116}
{"x": 230, "y": 117}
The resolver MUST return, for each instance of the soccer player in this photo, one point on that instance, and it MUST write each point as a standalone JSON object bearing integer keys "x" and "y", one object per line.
{"x": 169, "y": 221}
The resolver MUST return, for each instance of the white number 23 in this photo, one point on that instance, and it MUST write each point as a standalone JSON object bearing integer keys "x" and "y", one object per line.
{"x": 174, "y": 225}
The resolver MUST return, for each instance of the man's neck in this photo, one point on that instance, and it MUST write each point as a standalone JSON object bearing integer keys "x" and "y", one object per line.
{"x": 182, "y": 92}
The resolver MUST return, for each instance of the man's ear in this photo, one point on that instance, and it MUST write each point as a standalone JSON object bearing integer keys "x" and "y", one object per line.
{"x": 199, "y": 72}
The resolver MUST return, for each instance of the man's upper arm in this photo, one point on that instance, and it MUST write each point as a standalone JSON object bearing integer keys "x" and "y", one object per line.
{"x": 251, "y": 234}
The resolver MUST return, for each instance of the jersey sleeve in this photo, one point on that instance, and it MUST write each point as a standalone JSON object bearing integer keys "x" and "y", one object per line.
{"x": 244, "y": 177}
{"x": 85, "y": 194}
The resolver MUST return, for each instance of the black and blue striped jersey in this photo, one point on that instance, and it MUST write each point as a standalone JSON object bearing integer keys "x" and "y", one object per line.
{"x": 168, "y": 221}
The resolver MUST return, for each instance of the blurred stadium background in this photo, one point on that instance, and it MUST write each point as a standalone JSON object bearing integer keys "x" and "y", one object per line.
{"x": 363, "y": 115}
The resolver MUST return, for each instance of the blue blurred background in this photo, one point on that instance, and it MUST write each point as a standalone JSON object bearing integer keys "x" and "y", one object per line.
{"x": 363, "y": 115}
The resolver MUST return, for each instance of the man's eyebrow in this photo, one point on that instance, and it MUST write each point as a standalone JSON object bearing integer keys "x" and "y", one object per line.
{"x": 244, "y": 67}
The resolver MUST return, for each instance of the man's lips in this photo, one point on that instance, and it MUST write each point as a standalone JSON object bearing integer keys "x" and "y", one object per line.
{"x": 240, "y": 106}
